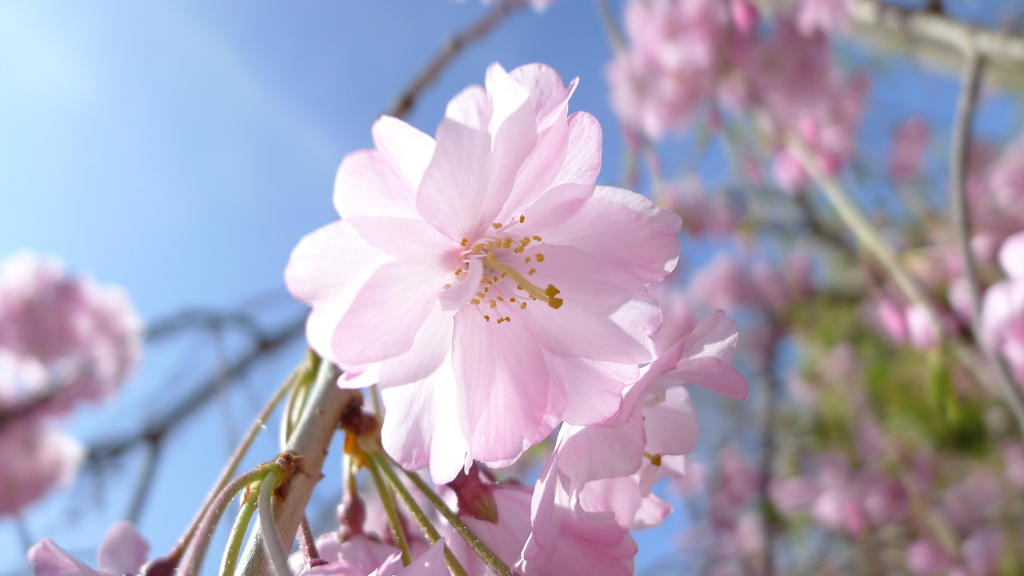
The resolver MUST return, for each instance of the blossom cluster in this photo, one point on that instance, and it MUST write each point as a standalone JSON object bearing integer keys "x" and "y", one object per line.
{"x": 684, "y": 56}
{"x": 63, "y": 340}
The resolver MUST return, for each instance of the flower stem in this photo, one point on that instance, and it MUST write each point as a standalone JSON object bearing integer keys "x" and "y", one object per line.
{"x": 201, "y": 536}
{"x": 229, "y": 469}
{"x": 271, "y": 538}
{"x": 414, "y": 508}
{"x": 389, "y": 507}
{"x": 237, "y": 536}
{"x": 490, "y": 558}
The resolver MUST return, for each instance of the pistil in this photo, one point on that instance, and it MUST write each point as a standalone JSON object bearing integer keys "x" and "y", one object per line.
{"x": 546, "y": 295}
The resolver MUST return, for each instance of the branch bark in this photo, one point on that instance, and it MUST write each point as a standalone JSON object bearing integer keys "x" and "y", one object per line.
{"x": 937, "y": 39}
{"x": 310, "y": 440}
{"x": 406, "y": 101}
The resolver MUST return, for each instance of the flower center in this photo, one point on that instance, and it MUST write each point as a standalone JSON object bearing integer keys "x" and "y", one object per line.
{"x": 497, "y": 253}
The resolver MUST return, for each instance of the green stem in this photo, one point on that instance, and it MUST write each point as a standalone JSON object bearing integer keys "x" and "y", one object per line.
{"x": 271, "y": 538}
{"x": 414, "y": 508}
{"x": 237, "y": 535}
{"x": 196, "y": 551}
{"x": 485, "y": 553}
{"x": 392, "y": 512}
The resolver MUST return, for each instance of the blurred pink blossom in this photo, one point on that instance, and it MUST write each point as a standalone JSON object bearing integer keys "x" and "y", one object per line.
{"x": 907, "y": 152}
{"x": 724, "y": 284}
{"x": 926, "y": 557}
{"x": 39, "y": 457}
{"x": 826, "y": 16}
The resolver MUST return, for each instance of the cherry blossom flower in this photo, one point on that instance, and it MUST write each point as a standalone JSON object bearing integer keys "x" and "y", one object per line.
{"x": 85, "y": 340}
{"x": 926, "y": 557}
{"x": 654, "y": 428}
{"x": 123, "y": 551}
{"x": 1002, "y": 311}
{"x": 41, "y": 458}
{"x": 724, "y": 284}
{"x": 469, "y": 276}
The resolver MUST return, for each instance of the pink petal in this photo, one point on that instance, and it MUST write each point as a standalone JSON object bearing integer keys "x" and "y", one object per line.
{"x": 583, "y": 159}
{"x": 538, "y": 171}
{"x": 703, "y": 358}
{"x": 430, "y": 563}
{"x": 123, "y": 550}
{"x": 430, "y": 348}
{"x": 618, "y": 226}
{"x": 368, "y": 184}
{"x": 588, "y": 453}
{"x": 326, "y": 270}
{"x": 393, "y": 303}
{"x": 605, "y": 382}
{"x": 503, "y": 386}
{"x": 622, "y": 497}
{"x": 1011, "y": 256}
{"x": 421, "y": 426}
{"x": 52, "y": 560}
{"x": 606, "y": 315}
{"x": 549, "y": 95}
{"x": 451, "y": 196}
{"x": 670, "y": 423}
{"x": 405, "y": 148}
{"x": 464, "y": 288}
{"x": 712, "y": 374}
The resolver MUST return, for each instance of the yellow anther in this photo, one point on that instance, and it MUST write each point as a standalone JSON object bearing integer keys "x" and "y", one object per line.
{"x": 537, "y": 238}
{"x": 487, "y": 318}
{"x": 507, "y": 243}
{"x": 540, "y": 257}
{"x": 528, "y": 258}
{"x": 474, "y": 301}
{"x": 525, "y": 241}
{"x": 512, "y": 299}
{"x": 518, "y": 287}
{"x": 464, "y": 242}
{"x": 500, "y": 320}
{"x": 493, "y": 304}
{"x": 495, "y": 278}
{"x": 532, "y": 271}
{"x": 496, "y": 225}
{"x": 447, "y": 286}
{"x": 507, "y": 319}
{"x": 522, "y": 219}
{"x": 459, "y": 271}
{"x": 500, "y": 299}
{"x": 555, "y": 303}
{"x": 552, "y": 291}
{"x": 518, "y": 250}
{"x": 491, "y": 257}
{"x": 480, "y": 294}
{"x": 523, "y": 306}
{"x": 477, "y": 249}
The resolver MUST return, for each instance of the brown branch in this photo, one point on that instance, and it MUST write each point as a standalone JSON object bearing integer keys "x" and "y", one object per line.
{"x": 310, "y": 440}
{"x": 406, "y": 101}
{"x": 936, "y": 38}
{"x": 960, "y": 223}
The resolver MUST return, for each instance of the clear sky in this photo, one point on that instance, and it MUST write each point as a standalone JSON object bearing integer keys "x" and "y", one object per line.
{"x": 181, "y": 148}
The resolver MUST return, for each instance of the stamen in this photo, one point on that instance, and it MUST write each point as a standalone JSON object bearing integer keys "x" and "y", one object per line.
{"x": 528, "y": 258}
{"x": 464, "y": 242}
{"x": 447, "y": 286}
{"x": 537, "y": 238}
{"x": 522, "y": 219}
{"x": 487, "y": 318}
{"x": 532, "y": 271}
{"x": 496, "y": 225}
{"x": 547, "y": 295}
{"x": 540, "y": 257}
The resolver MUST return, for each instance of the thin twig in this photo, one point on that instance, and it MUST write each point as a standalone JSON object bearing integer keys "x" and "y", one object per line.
{"x": 960, "y": 223}
{"x": 406, "y": 101}
{"x": 770, "y": 391}
{"x": 145, "y": 481}
{"x": 611, "y": 27}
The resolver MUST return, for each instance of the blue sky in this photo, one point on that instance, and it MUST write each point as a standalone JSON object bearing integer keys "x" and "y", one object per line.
{"x": 180, "y": 149}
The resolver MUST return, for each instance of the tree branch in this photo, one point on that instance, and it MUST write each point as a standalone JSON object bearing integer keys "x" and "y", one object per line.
{"x": 406, "y": 101}
{"x": 310, "y": 440}
{"x": 938, "y": 39}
